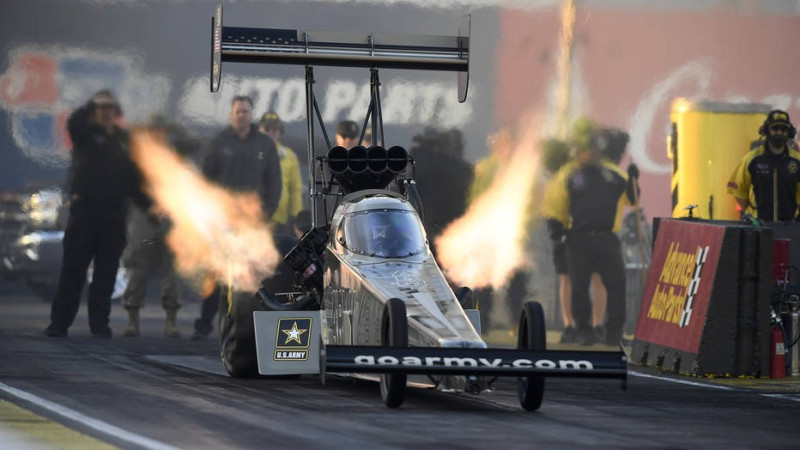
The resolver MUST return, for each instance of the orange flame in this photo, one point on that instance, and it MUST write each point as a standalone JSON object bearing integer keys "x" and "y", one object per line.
{"x": 215, "y": 233}
{"x": 487, "y": 244}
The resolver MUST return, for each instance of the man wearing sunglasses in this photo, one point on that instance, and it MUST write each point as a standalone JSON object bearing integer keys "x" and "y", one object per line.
{"x": 772, "y": 170}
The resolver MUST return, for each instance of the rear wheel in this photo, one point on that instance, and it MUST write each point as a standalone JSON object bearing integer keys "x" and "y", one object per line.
{"x": 532, "y": 336}
{"x": 394, "y": 334}
{"x": 237, "y": 334}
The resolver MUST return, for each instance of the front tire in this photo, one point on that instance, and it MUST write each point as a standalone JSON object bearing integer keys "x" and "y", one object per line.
{"x": 532, "y": 336}
{"x": 394, "y": 334}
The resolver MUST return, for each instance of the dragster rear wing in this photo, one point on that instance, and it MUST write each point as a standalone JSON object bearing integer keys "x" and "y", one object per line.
{"x": 332, "y": 48}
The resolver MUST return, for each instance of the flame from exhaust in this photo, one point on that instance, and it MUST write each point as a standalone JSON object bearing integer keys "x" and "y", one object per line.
{"x": 566, "y": 44}
{"x": 487, "y": 244}
{"x": 215, "y": 234}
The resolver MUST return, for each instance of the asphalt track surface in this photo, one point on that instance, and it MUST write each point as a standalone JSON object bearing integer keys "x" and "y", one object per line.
{"x": 152, "y": 392}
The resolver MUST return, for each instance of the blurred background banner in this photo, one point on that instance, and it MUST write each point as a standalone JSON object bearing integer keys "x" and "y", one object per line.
{"x": 628, "y": 61}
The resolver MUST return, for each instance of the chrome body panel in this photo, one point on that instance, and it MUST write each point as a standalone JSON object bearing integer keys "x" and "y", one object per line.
{"x": 357, "y": 286}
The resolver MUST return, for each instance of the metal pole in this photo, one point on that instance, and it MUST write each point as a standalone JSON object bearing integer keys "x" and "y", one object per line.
{"x": 312, "y": 178}
{"x": 794, "y": 338}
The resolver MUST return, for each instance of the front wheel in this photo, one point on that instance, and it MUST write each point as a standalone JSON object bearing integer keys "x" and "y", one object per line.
{"x": 394, "y": 333}
{"x": 532, "y": 336}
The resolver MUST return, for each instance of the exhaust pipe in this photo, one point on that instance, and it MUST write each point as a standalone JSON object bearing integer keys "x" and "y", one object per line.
{"x": 397, "y": 159}
{"x": 357, "y": 159}
{"x": 337, "y": 159}
{"x": 376, "y": 159}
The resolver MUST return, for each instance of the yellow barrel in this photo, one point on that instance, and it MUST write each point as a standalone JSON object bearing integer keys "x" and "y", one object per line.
{"x": 706, "y": 142}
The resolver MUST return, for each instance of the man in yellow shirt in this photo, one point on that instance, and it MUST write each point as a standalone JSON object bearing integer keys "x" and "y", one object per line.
{"x": 771, "y": 171}
{"x": 291, "y": 200}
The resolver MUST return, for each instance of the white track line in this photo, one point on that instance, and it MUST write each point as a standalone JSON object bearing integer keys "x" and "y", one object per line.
{"x": 99, "y": 425}
{"x": 791, "y": 397}
{"x": 783, "y": 397}
{"x": 675, "y": 380}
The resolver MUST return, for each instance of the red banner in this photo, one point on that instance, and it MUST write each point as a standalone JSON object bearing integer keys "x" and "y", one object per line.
{"x": 679, "y": 283}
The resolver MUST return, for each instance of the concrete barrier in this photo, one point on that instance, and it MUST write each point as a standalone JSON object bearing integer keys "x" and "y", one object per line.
{"x": 705, "y": 308}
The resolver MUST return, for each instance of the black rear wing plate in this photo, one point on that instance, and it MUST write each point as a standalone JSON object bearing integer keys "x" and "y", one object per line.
{"x": 333, "y": 48}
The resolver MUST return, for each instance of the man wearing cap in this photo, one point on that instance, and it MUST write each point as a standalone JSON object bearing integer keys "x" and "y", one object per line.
{"x": 102, "y": 179}
{"x": 771, "y": 170}
{"x": 583, "y": 206}
{"x": 291, "y": 200}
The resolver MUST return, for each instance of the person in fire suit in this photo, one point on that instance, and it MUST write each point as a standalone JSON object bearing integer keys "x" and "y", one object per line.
{"x": 583, "y": 206}
{"x": 772, "y": 171}
{"x": 102, "y": 180}
{"x": 241, "y": 159}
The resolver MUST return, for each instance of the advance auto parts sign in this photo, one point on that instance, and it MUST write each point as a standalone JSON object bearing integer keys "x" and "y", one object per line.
{"x": 679, "y": 283}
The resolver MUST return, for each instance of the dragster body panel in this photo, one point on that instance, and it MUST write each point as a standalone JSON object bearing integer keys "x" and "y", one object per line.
{"x": 357, "y": 285}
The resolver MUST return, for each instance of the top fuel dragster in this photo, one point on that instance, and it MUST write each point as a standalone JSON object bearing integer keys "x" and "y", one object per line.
{"x": 361, "y": 293}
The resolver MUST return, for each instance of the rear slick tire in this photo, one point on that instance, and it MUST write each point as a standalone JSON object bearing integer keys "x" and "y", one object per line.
{"x": 237, "y": 334}
{"x": 532, "y": 336}
{"x": 394, "y": 333}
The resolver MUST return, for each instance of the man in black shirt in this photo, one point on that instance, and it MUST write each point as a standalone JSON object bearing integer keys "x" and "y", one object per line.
{"x": 772, "y": 170}
{"x": 241, "y": 159}
{"x": 583, "y": 205}
{"x": 102, "y": 178}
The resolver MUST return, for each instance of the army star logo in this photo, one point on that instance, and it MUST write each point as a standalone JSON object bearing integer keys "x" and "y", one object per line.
{"x": 293, "y": 334}
{"x": 292, "y": 341}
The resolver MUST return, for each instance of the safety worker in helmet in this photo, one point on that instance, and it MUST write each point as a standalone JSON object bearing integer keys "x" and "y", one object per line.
{"x": 583, "y": 207}
{"x": 771, "y": 171}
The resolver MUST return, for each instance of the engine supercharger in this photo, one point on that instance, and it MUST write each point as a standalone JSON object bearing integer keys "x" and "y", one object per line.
{"x": 777, "y": 353}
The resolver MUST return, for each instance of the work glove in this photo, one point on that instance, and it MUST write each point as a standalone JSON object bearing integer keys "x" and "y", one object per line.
{"x": 633, "y": 171}
{"x": 556, "y": 230}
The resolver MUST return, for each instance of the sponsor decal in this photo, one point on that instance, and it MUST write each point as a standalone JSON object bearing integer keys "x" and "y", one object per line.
{"x": 408, "y": 279}
{"x": 292, "y": 339}
{"x": 42, "y": 85}
{"x": 405, "y": 101}
{"x": 679, "y": 284}
{"x": 702, "y": 253}
{"x": 435, "y": 361}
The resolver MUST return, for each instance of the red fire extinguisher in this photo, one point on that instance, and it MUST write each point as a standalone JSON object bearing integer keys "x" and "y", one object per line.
{"x": 777, "y": 354}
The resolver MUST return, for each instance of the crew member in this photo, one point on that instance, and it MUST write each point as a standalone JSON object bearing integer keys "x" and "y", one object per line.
{"x": 772, "y": 171}
{"x": 242, "y": 160}
{"x": 102, "y": 178}
{"x": 147, "y": 246}
{"x": 291, "y": 200}
{"x": 347, "y": 134}
{"x": 586, "y": 198}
